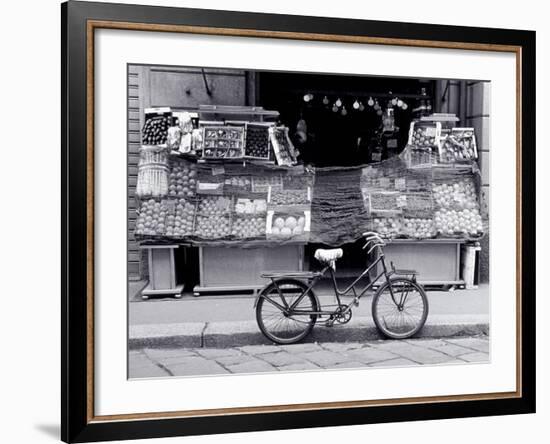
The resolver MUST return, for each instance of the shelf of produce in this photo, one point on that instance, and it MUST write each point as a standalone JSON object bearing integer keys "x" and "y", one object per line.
{"x": 437, "y": 261}
{"x": 238, "y": 269}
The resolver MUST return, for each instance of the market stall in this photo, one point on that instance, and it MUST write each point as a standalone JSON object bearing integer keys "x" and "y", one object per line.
{"x": 231, "y": 188}
{"x": 231, "y": 184}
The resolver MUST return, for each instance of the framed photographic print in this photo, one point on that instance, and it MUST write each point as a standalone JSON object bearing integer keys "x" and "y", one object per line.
{"x": 276, "y": 221}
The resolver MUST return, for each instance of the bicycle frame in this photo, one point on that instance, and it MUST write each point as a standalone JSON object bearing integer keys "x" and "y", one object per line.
{"x": 291, "y": 310}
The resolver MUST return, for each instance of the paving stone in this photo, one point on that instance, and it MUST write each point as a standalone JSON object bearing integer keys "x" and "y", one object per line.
{"x": 139, "y": 366}
{"x": 479, "y": 344}
{"x": 368, "y": 355}
{"x": 424, "y": 342}
{"x": 255, "y": 366}
{"x": 281, "y": 358}
{"x": 155, "y": 353}
{"x": 213, "y": 353}
{"x": 184, "y": 361}
{"x": 299, "y": 366}
{"x": 234, "y": 360}
{"x": 392, "y": 345}
{"x": 453, "y": 361}
{"x": 342, "y": 346}
{"x": 424, "y": 355}
{"x": 138, "y": 359}
{"x": 301, "y": 348}
{"x": 349, "y": 365}
{"x": 475, "y": 357}
{"x": 398, "y": 362}
{"x": 151, "y": 371}
{"x": 194, "y": 366}
{"x": 259, "y": 349}
{"x": 171, "y": 356}
{"x": 442, "y": 346}
{"x": 416, "y": 353}
{"x": 324, "y": 358}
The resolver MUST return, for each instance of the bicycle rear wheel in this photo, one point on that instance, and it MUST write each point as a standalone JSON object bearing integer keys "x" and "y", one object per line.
{"x": 402, "y": 315}
{"x": 276, "y": 323}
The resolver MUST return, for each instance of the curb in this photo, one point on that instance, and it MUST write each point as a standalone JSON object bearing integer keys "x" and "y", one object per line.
{"x": 238, "y": 334}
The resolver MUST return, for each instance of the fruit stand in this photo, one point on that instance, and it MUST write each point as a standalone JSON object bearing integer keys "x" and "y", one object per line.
{"x": 235, "y": 190}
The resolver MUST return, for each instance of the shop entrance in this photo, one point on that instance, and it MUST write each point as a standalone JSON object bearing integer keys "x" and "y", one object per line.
{"x": 333, "y": 122}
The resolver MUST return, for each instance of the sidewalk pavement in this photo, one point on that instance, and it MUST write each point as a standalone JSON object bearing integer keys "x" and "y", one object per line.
{"x": 229, "y": 320}
{"x": 152, "y": 362}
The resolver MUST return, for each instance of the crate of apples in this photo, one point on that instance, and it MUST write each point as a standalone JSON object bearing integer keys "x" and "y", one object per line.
{"x": 182, "y": 180}
{"x": 248, "y": 227}
{"x": 155, "y": 130}
{"x": 459, "y": 146}
{"x": 424, "y": 134}
{"x": 215, "y": 206}
{"x": 215, "y": 226}
{"x": 180, "y": 221}
{"x": 257, "y": 141}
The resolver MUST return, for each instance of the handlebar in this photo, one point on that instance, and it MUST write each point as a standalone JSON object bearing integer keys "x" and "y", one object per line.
{"x": 373, "y": 238}
{"x": 370, "y": 233}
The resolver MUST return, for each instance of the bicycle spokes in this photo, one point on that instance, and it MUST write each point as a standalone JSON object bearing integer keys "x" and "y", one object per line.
{"x": 281, "y": 323}
{"x": 400, "y": 308}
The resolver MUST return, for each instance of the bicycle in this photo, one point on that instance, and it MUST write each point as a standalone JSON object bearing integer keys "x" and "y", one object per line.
{"x": 287, "y": 309}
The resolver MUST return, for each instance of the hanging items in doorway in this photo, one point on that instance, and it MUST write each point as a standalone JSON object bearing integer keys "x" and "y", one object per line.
{"x": 301, "y": 131}
{"x": 424, "y": 107}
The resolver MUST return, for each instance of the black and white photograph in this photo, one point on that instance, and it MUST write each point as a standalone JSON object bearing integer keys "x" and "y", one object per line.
{"x": 284, "y": 221}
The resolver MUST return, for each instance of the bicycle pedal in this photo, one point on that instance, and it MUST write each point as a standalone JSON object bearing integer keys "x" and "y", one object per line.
{"x": 356, "y": 302}
{"x": 329, "y": 323}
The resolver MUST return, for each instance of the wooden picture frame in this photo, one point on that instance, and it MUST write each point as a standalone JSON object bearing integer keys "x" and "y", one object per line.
{"x": 79, "y": 22}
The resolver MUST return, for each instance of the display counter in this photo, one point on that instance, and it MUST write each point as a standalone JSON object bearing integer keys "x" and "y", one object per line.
{"x": 437, "y": 261}
{"x": 235, "y": 269}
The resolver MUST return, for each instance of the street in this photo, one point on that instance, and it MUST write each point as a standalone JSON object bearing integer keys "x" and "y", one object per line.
{"x": 200, "y": 361}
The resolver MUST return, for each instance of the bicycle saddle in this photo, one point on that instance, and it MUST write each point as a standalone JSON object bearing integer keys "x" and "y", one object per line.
{"x": 328, "y": 256}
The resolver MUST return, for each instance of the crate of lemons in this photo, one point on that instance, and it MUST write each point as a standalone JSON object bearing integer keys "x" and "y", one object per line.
{"x": 457, "y": 208}
{"x": 249, "y": 219}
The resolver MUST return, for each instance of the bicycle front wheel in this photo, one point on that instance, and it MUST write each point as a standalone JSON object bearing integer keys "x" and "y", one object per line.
{"x": 400, "y": 308}
{"x": 279, "y": 324}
